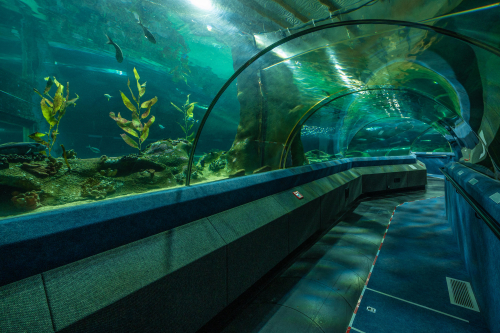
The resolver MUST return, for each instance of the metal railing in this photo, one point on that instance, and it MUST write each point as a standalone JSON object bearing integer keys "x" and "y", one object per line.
{"x": 480, "y": 212}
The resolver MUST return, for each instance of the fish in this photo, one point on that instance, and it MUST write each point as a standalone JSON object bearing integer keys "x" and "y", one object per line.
{"x": 147, "y": 33}
{"x": 108, "y": 96}
{"x": 21, "y": 148}
{"x": 119, "y": 53}
{"x": 297, "y": 108}
{"x": 161, "y": 126}
{"x": 94, "y": 150}
{"x": 326, "y": 93}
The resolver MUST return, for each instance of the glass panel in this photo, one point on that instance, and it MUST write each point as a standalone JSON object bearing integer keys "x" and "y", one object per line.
{"x": 431, "y": 141}
{"x": 308, "y": 100}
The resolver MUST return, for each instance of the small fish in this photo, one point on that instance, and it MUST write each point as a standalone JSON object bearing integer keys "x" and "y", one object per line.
{"x": 94, "y": 150}
{"x": 297, "y": 108}
{"x": 326, "y": 93}
{"x": 147, "y": 34}
{"x": 108, "y": 96}
{"x": 161, "y": 126}
{"x": 119, "y": 53}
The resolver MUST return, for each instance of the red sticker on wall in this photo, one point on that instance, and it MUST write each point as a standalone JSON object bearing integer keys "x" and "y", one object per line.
{"x": 298, "y": 195}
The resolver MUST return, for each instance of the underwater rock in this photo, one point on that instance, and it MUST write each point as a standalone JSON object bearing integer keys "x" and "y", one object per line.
{"x": 4, "y": 163}
{"x": 238, "y": 173}
{"x": 132, "y": 163}
{"x": 14, "y": 158}
{"x": 265, "y": 168}
{"x": 27, "y": 201}
{"x": 208, "y": 158}
{"x": 170, "y": 153}
{"x": 17, "y": 178}
{"x": 109, "y": 172}
{"x": 217, "y": 165}
{"x": 41, "y": 170}
{"x": 253, "y": 146}
{"x": 318, "y": 156}
{"x": 97, "y": 189}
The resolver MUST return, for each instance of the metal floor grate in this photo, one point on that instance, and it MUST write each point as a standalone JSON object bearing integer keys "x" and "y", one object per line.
{"x": 461, "y": 294}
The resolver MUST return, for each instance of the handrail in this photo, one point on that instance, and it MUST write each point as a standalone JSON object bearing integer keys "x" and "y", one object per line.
{"x": 483, "y": 214}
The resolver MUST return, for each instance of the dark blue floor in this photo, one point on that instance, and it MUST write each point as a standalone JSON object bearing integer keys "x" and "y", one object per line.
{"x": 418, "y": 253}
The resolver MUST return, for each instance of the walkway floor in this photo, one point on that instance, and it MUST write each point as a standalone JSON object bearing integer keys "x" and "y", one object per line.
{"x": 407, "y": 288}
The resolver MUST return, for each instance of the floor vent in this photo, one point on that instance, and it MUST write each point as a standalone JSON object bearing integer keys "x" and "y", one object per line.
{"x": 461, "y": 294}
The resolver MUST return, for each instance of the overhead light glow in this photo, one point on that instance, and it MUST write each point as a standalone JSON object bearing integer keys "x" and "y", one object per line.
{"x": 209, "y": 27}
{"x": 203, "y": 4}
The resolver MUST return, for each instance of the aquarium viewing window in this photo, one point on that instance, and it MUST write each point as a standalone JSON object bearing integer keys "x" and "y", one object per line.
{"x": 106, "y": 100}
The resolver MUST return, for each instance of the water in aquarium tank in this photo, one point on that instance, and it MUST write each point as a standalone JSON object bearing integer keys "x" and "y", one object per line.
{"x": 102, "y": 99}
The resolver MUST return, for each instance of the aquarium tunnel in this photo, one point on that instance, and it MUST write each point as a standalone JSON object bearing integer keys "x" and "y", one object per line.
{"x": 249, "y": 166}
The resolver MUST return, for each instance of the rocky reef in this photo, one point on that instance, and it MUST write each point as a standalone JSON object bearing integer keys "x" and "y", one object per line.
{"x": 36, "y": 182}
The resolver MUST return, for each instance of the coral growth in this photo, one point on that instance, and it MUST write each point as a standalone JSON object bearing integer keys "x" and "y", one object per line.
{"x": 97, "y": 189}
{"x": 41, "y": 170}
{"x": 27, "y": 201}
{"x": 135, "y": 127}
{"x": 217, "y": 165}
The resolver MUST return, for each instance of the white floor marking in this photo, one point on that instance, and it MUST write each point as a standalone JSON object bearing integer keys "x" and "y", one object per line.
{"x": 417, "y": 305}
{"x": 360, "y": 331}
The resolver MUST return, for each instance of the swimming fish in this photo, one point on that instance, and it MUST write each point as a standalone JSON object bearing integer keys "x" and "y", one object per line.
{"x": 21, "y": 148}
{"x": 147, "y": 34}
{"x": 108, "y": 96}
{"x": 297, "y": 108}
{"x": 161, "y": 126}
{"x": 119, "y": 53}
{"x": 94, "y": 150}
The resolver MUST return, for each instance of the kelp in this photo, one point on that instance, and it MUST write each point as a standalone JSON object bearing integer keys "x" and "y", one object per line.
{"x": 135, "y": 127}
{"x": 188, "y": 118}
{"x": 53, "y": 109}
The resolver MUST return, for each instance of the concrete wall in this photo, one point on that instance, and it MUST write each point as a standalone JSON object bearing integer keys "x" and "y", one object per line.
{"x": 178, "y": 280}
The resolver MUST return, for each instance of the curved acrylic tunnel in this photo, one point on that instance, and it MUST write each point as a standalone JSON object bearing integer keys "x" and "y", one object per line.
{"x": 332, "y": 81}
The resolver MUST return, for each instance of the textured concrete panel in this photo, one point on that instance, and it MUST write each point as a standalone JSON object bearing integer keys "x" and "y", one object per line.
{"x": 417, "y": 177}
{"x": 95, "y": 284}
{"x": 257, "y": 239}
{"x": 304, "y": 214}
{"x": 24, "y": 308}
{"x": 355, "y": 187}
{"x": 397, "y": 176}
{"x": 332, "y": 204}
{"x": 374, "y": 179}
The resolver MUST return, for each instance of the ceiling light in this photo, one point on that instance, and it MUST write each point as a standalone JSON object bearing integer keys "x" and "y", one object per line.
{"x": 203, "y": 4}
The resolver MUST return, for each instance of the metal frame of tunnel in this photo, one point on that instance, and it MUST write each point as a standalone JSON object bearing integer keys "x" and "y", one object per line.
{"x": 415, "y": 25}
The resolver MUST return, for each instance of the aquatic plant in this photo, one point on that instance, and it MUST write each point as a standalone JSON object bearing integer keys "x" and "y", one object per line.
{"x": 135, "y": 126}
{"x": 187, "y": 112}
{"x": 53, "y": 109}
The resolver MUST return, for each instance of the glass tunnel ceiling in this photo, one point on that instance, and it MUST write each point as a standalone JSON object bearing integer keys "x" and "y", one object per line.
{"x": 395, "y": 70}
